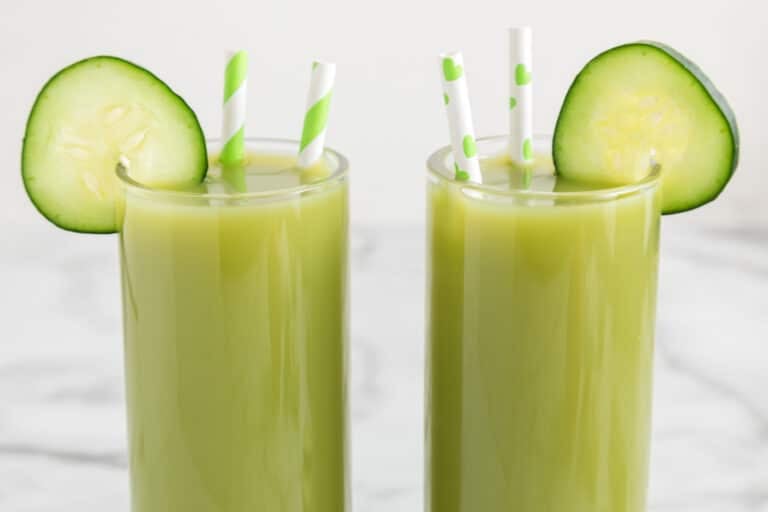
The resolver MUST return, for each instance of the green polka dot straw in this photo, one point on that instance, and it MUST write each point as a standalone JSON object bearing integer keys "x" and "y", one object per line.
{"x": 233, "y": 129}
{"x": 316, "y": 116}
{"x": 521, "y": 94}
{"x": 456, "y": 100}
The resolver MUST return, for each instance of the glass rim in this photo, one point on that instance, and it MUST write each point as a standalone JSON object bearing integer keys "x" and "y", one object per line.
{"x": 437, "y": 168}
{"x": 338, "y": 174}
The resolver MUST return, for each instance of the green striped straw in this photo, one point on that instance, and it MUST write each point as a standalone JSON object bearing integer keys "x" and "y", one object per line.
{"x": 233, "y": 130}
{"x": 316, "y": 117}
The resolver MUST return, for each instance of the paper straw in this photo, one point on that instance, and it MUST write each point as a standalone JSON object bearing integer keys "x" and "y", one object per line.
{"x": 521, "y": 94}
{"x": 456, "y": 99}
{"x": 233, "y": 129}
{"x": 316, "y": 117}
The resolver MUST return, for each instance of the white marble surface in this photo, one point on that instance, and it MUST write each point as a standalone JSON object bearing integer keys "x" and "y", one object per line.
{"x": 62, "y": 437}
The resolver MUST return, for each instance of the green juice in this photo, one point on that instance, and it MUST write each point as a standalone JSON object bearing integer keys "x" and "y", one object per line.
{"x": 235, "y": 317}
{"x": 540, "y": 343}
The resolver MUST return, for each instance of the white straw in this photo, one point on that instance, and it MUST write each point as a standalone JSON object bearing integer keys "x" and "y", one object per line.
{"x": 316, "y": 116}
{"x": 521, "y": 94}
{"x": 456, "y": 99}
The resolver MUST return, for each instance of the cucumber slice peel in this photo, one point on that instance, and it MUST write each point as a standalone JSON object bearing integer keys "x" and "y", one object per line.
{"x": 644, "y": 104}
{"x": 84, "y": 120}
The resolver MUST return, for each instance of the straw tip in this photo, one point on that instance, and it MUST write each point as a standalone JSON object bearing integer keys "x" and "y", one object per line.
{"x": 241, "y": 54}
{"x": 450, "y": 55}
{"x": 323, "y": 64}
{"x": 237, "y": 62}
{"x": 518, "y": 29}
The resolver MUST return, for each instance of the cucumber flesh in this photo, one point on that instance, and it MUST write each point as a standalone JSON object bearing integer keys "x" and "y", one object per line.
{"x": 644, "y": 104}
{"x": 89, "y": 117}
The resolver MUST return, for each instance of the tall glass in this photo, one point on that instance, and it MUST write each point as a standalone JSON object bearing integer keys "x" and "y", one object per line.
{"x": 540, "y": 340}
{"x": 235, "y": 320}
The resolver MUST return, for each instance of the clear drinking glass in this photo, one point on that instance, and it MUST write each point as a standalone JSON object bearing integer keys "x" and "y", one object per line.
{"x": 541, "y": 313}
{"x": 235, "y": 320}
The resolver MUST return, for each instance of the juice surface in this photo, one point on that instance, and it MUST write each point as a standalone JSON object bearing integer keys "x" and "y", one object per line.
{"x": 540, "y": 342}
{"x": 235, "y": 341}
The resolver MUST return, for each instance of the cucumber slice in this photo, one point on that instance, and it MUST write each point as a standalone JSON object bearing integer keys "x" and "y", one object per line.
{"x": 87, "y": 118}
{"x": 643, "y": 104}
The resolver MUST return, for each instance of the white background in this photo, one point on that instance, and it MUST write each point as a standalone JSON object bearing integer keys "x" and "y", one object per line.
{"x": 387, "y": 113}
